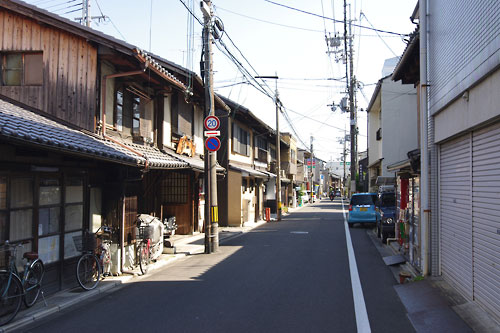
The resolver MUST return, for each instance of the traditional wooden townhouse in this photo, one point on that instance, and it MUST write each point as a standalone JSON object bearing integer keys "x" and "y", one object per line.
{"x": 289, "y": 170}
{"x": 92, "y": 132}
{"x": 246, "y": 190}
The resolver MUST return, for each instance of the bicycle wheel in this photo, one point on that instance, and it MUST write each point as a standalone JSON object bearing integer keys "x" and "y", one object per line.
{"x": 88, "y": 271}
{"x": 33, "y": 283}
{"x": 11, "y": 295}
{"x": 144, "y": 258}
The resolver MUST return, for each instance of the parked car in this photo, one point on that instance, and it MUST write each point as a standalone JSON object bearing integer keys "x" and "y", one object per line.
{"x": 305, "y": 197}
{"x": 362, "y": 209}
{"x": 311, "y": 198}
{"x": 386, "y": 215}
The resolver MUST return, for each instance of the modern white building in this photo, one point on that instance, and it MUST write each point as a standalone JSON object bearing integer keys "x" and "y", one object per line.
{"x": 392, "y": 115}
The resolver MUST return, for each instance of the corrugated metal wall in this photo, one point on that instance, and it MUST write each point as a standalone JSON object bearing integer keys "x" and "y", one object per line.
{"x": 469, "y": 214}
{"x": 486, "y": 217}
{"x": 456, "y": 214}
{"x": 462, "y": 43}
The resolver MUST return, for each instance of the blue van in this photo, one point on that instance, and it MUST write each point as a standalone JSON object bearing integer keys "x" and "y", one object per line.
{"x": 362, "y": 209}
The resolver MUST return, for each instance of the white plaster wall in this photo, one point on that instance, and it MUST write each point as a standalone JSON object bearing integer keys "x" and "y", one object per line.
{"x": 198, "y": 129}
{"x": 110, "y": 91}
{"x": 167, "y": 115}
{"x": 374, "y": 146}
{"x": 399, "y": 122}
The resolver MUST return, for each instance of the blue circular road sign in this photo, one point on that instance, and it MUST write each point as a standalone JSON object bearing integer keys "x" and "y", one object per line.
{"x": 212, "y": 143}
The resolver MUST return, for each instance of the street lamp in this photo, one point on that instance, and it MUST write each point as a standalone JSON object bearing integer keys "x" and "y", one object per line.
{"x": 278, "y": 153}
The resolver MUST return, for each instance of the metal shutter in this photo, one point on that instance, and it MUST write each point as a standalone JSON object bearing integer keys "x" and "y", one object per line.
{"x": 456, "y": 213}
{"x": 486, "y": 218}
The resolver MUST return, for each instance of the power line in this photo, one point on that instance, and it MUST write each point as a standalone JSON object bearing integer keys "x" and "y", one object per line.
{"x": 191, "y": 12}
{"x": 315, "y": 120}
{"x": 332, "y": 19}
{"x": 383, "y": 41}
{"x": 291, "y": 26}
{"x": 60, "y": 4}
{"x": 268, "y": 22}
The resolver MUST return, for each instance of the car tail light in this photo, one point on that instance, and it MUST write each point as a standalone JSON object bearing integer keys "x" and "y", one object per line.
{"x": 350, "y": 208}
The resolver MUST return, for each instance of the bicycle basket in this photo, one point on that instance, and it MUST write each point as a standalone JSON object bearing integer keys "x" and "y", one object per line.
{"x": 146, "y": 232}
{"x": 90, "y": 243}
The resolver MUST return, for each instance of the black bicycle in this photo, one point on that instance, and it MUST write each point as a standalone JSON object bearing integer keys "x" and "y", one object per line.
{"x": 89, "y": 268}
{"x": 15, "y": 287}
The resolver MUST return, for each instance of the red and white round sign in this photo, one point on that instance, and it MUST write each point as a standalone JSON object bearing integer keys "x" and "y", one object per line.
{"x": 212, "y": 123}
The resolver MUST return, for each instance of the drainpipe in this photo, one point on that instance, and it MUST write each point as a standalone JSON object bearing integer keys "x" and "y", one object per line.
{"x": 424, "y": 146}
{"x": 103, "y": 131}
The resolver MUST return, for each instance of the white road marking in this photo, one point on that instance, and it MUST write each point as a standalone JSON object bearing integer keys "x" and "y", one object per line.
{"x": 362, "y": 321}
{"x": 299, "y": 232}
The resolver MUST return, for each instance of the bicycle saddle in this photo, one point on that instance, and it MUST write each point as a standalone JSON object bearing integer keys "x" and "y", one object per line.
{"x": 30, "y": 255}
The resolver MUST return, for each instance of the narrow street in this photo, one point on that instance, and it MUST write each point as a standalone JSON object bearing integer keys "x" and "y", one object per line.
{"x": 290, "y": 276}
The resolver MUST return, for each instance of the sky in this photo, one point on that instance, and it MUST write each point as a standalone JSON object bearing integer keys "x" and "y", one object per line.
{"x": 269, "y": 39}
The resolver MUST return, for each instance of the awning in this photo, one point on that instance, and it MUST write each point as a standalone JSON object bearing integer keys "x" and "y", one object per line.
{"x": 195, "y": 162}
{"x": 248, "y": 171}
{"x": 385, "y": 181}
{"x": 375, "y": 163}
{"x": 269, "y": 174}
{"x": 399, "y": 165}
{"x": 21, "y": 126}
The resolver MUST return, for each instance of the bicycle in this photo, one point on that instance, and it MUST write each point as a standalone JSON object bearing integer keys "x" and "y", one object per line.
{"x": 89, "y": 268}
{"x": 14, "y": 288}
{"x": 144, "y": 248}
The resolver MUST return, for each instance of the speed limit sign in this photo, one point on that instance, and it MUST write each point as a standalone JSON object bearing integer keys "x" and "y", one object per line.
{"x": 212, "y": 123}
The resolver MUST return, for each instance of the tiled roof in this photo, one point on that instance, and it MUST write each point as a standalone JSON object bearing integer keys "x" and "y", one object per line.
{"x": 195, "y": 162}
{"x": 248, "y": 169}
{"x": 24, "y": 126}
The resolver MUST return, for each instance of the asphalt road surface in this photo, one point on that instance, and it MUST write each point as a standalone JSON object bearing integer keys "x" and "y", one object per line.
{"x": 288, "y": 276}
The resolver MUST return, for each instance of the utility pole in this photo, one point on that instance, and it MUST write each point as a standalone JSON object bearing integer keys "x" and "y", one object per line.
{"x": 278, "y": 144}
{"x": 278, "y": 155}
{"x": 86, "y": 12}
{"x": 312, "y": 168}
{"x": 86, "y": 18}
{"x": 350, "y": 85}
{"x": 212, "y": 213}
{"x": 343, "y": 161}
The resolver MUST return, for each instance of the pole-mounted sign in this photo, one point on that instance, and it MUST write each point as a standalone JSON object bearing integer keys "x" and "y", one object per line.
{"x": 211, "y": 123}
{"x": 212, "y": 143}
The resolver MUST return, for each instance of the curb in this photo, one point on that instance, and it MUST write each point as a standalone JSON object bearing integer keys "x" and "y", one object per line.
{"x": 51, "y": 310}
{"x": 106, "y": 288}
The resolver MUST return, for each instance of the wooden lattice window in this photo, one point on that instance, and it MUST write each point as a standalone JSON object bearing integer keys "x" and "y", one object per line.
{"x": 174, "y": 188}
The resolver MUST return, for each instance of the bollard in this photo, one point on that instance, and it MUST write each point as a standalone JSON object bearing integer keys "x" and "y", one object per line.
{"x": 268, "y": 214}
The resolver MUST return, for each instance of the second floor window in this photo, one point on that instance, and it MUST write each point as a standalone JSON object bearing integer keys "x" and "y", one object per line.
{"x": 273, "y": 153}
{"x": 21, "y": 69}
{"x": 261, "y": 142}
{"x": 241, "y": 140}
{"x": 132, "y": 112}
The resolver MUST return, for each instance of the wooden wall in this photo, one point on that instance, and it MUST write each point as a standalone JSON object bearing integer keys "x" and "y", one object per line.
{"x": 70, "y": 69}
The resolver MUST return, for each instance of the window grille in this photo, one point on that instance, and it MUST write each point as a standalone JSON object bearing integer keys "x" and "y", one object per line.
{"x": 174, "y": 188}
